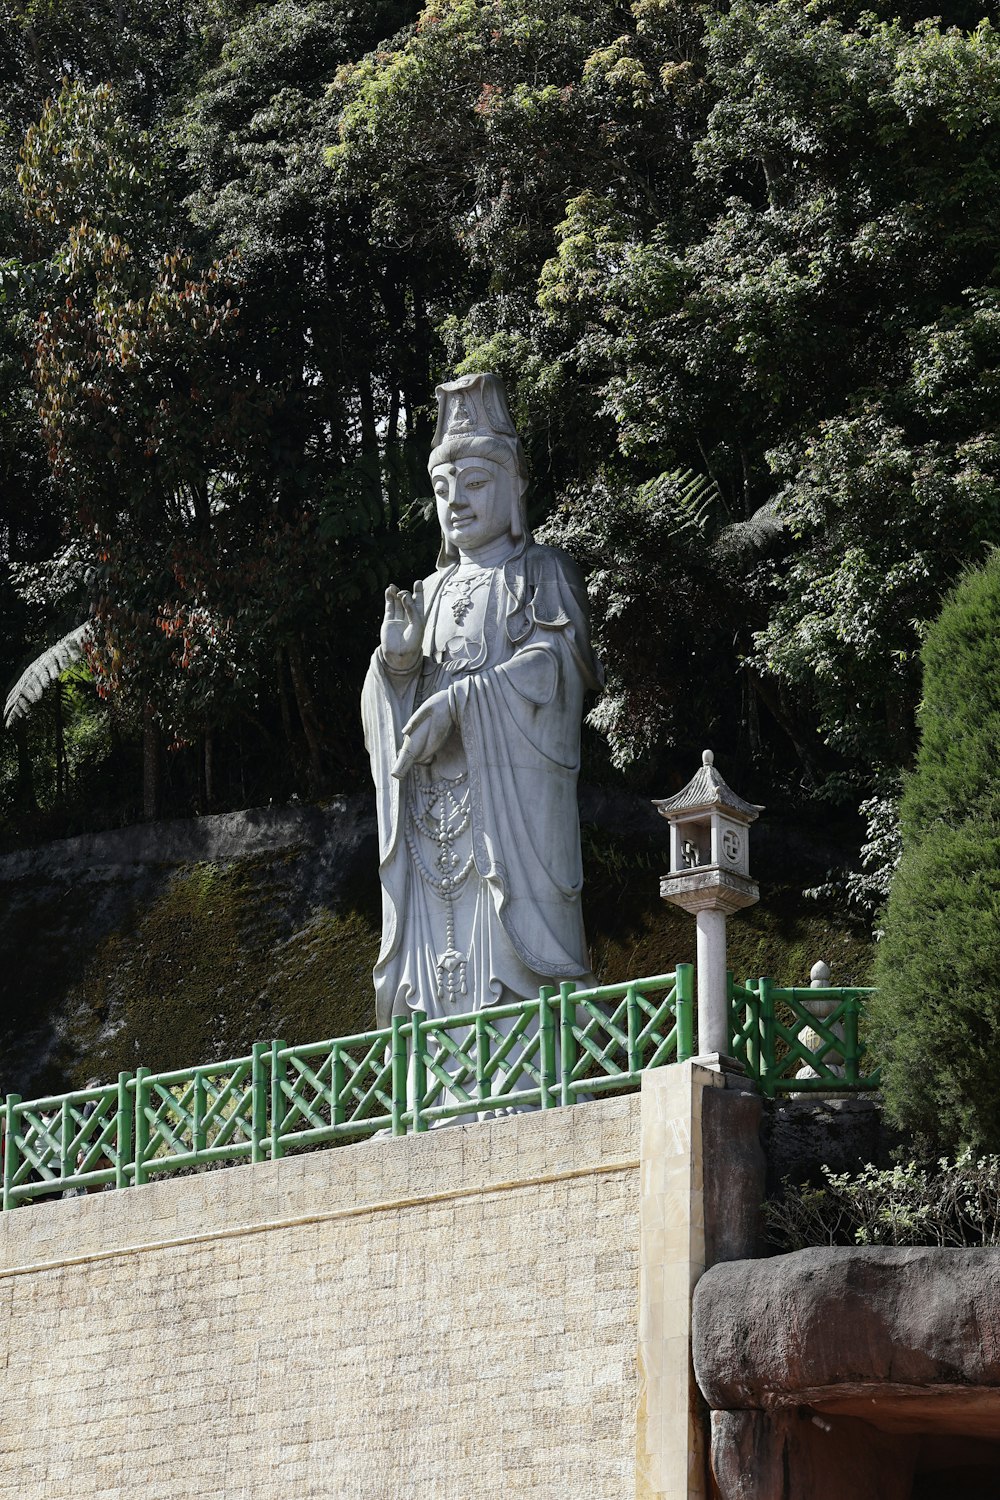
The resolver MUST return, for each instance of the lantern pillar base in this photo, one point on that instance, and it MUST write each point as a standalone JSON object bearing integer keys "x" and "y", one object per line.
{"x": 720, "y": 1062}
{"x": 713, "y": 1019}
{"x": 711, "y": 895}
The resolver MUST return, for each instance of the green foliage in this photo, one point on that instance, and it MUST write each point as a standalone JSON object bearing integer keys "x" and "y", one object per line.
{"x": 815, "y": 332}
{"x": 869, "y": 886}
{"x": 474, "y": 136}
{"x": 946, "y": 1203}
{"x": 649, "y": 557}
{"x": 137, "y": 403}
{"x": 881, "y": 526}
{"x": 936, "y": 1017}
{"x": 756, "y": 244}
{"x": 211, "y": 550}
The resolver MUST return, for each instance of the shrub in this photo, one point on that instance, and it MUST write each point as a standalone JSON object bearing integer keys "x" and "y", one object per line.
{"x": 935, "y": 1020}
{"x": 946, "y": 1203}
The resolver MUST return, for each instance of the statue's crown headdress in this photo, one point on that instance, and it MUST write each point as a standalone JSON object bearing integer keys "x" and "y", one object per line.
{"x": 474, "y": 421}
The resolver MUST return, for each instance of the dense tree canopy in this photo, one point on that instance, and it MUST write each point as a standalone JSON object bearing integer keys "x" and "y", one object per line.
{"x": 737, "y": 263}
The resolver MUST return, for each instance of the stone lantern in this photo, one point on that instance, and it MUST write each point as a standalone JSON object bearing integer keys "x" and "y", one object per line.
{"x": 710, "y": 877}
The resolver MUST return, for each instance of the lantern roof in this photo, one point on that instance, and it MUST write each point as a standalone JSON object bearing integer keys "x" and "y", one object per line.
{"x": 708, "y": 792}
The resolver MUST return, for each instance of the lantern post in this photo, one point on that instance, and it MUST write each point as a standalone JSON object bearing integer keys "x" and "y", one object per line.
{"x": 709, "y": 876}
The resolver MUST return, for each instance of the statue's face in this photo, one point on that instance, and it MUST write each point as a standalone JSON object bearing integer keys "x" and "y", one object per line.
{"x": 473, "y": 502}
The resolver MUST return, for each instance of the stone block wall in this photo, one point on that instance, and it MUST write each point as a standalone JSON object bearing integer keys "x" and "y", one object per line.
{"x": 453, "y": 1315}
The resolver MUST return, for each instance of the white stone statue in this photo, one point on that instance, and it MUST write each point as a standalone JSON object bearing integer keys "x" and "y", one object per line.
{"x": 472, "y": 708}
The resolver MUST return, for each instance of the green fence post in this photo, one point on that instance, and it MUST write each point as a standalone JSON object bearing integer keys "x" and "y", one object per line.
{"x": 398, "y": 1056}
{"x": 259, "y": 1053}
{"x": 755, "y": 1058}
{"x": 338, "y": 1075}
{"x": 547, "y": 1046}
{"x": 11, "y": 1160}
{"x": 482, "y": 1058}
{"x": 199, "y": 1136}
{"x": 768, "y": 1071}
{"x": 141, "y": 1175}
{"x": 418, "y": 1036}
{"x": 684, "y": 1011}
{"x": 751, "y": 1010}
{"x": 279, "y": 1072}
{"x": 851, "y": 1070}
{"x": 66, "y": 1167}
{"x": 567, "y": 1041}
{"x": 123, "y": 1132}
{"x": 633, "y": 1060}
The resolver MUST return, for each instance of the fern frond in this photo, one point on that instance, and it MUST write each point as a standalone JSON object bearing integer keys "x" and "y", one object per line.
{"x": 43, "y": 671}
{"x": 698, "y": 495}
{"x": 753, "y": 536}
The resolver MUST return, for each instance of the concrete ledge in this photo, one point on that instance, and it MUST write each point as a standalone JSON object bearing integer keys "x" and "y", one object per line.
{"x": 346, "y": 1181}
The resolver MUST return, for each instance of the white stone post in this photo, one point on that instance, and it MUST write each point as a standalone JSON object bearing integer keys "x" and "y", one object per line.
{"x": 713, "y": 1024}
{"x": 819, "y": 979}
{"x": 708, "y": 819}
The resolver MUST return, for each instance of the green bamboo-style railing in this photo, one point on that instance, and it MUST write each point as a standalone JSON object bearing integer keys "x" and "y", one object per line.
{"x": 565, "y": 1047}
{"x": 776, "y": 1035}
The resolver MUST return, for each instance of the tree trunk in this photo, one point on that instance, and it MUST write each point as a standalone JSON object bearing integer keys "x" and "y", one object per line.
{"x": 308, "y": 718}
{"x": 752, "y": 712}
{"x": 366, "y": 400}
{"x": 423, "y": 426}
{"x": 25, "y": 774}
{"x": 31, "y": 37}
{"x": 60, "y": 742}
{"x": 209, "y": 771}
{"x": 152, "y": 766}
{"x": 773, "y": 700}
{"x": 392, "y": 464}
{"x": 202, "y": 508}
{"x": 291, "y": 739}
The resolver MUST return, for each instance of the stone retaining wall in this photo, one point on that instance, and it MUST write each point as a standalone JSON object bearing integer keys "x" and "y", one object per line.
{"x": 453, "y": 1315}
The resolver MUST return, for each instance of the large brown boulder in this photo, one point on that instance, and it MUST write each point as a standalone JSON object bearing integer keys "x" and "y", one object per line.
{"x": 832, "y": 1321}
{"x": 872, "y": 1373}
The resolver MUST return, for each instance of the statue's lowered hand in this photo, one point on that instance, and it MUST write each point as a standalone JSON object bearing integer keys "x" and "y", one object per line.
{"x": 424, "y": 733}
{"x": 403, "y": 628}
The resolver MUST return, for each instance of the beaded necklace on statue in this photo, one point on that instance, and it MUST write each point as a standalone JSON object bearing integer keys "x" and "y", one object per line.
{"x": 461, "y": 587}
{"x": 442, "y": 818}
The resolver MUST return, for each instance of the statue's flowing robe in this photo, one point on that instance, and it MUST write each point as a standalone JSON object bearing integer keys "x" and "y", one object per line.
{"x": 516, "y": 699}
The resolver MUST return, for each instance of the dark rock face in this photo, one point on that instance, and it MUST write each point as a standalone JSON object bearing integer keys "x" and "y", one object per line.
{"x": 845, "y": 1134}
{"x": 870, "y": 1372}
{"x": 785, "y": 1455}
{"x": 832, "y": 1320}
{"x": 735, "y": 1169}
{"x": 175, "y": 943}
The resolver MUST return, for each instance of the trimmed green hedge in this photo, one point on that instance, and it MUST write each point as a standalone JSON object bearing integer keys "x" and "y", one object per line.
{"x": 935, "y": 1022}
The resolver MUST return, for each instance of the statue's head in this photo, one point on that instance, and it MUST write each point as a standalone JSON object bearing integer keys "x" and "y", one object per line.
{"x": 478, "y": 453}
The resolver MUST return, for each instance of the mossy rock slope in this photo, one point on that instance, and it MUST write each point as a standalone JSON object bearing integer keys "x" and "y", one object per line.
{"x": 182, "y": 943}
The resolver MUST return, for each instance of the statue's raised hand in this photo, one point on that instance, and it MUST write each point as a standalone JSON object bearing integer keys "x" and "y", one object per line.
{"x": 403, "y": 628}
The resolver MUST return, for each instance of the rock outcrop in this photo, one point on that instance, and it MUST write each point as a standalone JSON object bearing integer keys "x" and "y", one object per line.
{"x": 176, "y": 943}
{"x": 872, "y": 1373}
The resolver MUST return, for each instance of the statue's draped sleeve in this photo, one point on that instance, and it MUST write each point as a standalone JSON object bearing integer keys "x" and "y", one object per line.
{"x": 387, "y": 701}
{"x": 520, "y": 724}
